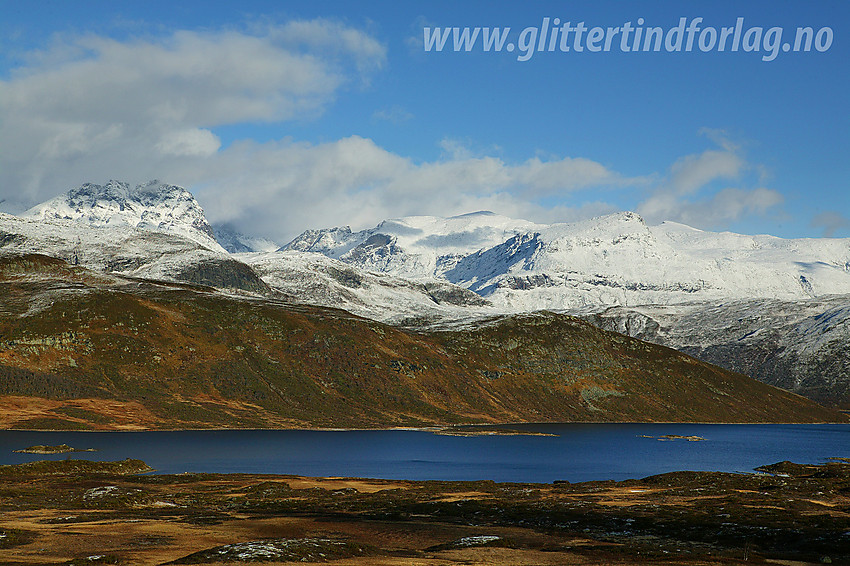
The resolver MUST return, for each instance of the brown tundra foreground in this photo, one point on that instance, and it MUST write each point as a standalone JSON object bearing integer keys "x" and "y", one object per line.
{"x": 79, "y": 512}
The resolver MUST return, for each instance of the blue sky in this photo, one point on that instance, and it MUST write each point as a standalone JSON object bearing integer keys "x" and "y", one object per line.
{"x": 283, "y": 116}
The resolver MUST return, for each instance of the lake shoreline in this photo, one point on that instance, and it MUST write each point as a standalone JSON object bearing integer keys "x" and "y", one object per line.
{"x": 428, "y": 428}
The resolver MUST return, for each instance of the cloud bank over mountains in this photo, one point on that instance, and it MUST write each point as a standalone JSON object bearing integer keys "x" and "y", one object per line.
{"x": 92, "y": 108}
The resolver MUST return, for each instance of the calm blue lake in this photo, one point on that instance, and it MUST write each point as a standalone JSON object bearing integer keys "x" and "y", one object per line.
{"x": 580, "y": 452}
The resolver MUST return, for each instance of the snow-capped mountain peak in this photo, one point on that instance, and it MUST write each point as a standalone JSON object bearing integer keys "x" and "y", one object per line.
{"x": 152, "y": 206}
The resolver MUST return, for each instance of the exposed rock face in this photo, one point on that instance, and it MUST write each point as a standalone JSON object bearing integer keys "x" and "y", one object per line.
{"x": 223, "y": 274}
{"x": 801, "y": 346}
{"x": 443, "y": 293}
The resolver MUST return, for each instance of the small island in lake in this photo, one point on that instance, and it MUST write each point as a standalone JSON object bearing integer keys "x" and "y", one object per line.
{"x": 60, "y": 449}
{"x": 664, "y": 437}
{"x": 478, "y": 430}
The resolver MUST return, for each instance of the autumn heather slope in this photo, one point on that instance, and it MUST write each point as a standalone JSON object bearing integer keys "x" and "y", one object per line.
{"x": 85, "y": 350}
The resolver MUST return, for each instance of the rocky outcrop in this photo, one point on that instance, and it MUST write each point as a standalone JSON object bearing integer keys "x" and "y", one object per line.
{"x": 223, "y": 274}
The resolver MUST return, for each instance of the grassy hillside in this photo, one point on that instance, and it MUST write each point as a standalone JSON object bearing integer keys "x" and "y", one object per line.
{"x": 83, "y": 351}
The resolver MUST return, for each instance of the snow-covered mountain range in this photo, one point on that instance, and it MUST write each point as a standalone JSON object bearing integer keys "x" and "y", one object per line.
{"x": 776, "y": 309}
{"x": 611, "y": 260}
{"x": 515, "y": 265}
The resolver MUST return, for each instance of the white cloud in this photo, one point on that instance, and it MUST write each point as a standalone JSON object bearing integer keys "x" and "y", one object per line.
{"x": 692, "y": 172}
{"x": 282, "y": 188}
{"x": 831, "y": 222}
{"x": 394, "y": 114}
{"x": 414, "y": 41}
{"x": 721, "y": 138}
{"x": 688, "y": 195}
{"x": 333, "y": 38}
{"x": 567, "y": 174}
{"x": 91, "y": 106}
{"x": 197, "y": 141}
{"x": 716, "y": 211}
{"x": 454, "y": 149}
